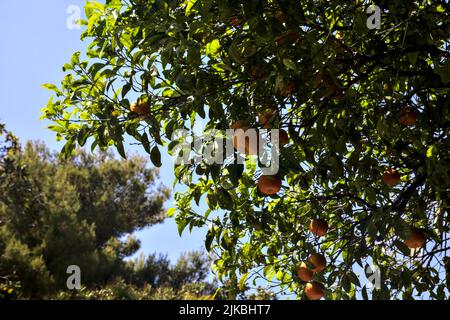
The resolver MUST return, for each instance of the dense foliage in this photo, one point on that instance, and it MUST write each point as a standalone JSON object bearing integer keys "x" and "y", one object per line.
{"x": 354, "y": 101}
{"x": 82, "y": 211}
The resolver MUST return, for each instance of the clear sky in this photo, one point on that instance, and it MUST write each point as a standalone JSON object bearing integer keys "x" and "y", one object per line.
{"x": 35, "y": 43}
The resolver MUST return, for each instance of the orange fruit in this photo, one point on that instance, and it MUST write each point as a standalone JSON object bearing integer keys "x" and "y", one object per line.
{"x": 338, "y": 94}
{"x": 241, "y": 141}
{"x": 289, "y": 89}
{"x": 416, "y": 238}
{"x": 338, "y": 46}
{"x": 269, "y": 185}
{"x": 314, "y": 290}
{"x": 318, "y": 79}
{"x": 318, "y": 227}
{"x": 283, "y": 136}
{"x": 259, "y": 74}
{"x": 408, "y": 116}
{"x": 290, "y": 37}
{"x": 391, "y": 177}
{"x": 318, "y": 261}
{"x": 266, "y": 118}
{"x": 280, "y": 16}
{"x": 142, "y": 108}
{"x": 236, "y": 21}
{"x": 324, "y": 80}
{"x": 304, "y": 273}
{"x": 249, "y": 147}
{"x": 240, "y": 124}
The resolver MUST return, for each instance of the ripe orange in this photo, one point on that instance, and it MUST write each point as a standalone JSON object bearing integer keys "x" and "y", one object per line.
{"x": 290, "y": 37}
{"x": 337, "y": 43}
{"x": 142, "y": 108}
{"x": 416, "y": 238}
{"x": 269, "y": 185}
{"x": 391, "y": 177}
{"x": 338, "y": 94}
{"x": 304, "y": 273}
{"x": 284, "y": 138}
{"x": 318, "y": 79}
{"x": 318, "y": 227}
{"x": 318, "y": 261}
{"x": 324, "y": 80}
{"x": 248, "y": 147}
{"x": 267, "y": 117}
{"x": 337, "y": 46}
{"x": 240, "y": 124}
{"x": 289, "y": 89}
{"x": 236, "y": 21}
{"x": 314, "y": 290}
{"x": 259, "y": 74}
{"x": 408, "y": 116}
{"x": 280, "y": 16}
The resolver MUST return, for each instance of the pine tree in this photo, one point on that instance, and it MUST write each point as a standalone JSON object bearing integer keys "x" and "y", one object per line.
{"x": 81, "y": 211}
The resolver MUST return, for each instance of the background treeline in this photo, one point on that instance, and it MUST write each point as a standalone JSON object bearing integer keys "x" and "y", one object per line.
{"x": 82, "y": 211}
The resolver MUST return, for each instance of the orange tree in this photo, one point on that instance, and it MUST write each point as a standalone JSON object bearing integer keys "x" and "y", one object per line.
{"x": 366, "y": 111}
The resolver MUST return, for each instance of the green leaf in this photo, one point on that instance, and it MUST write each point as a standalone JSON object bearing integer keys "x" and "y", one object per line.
{"x": 446, "y": 261}
{"x": 243, "y": 281}
{"x": 225, "y": 199}
{"x": 93, "y": 18}
{"x": 145, "y": 142}
{"x": 93, "y": 6}
{"x": 83, "y": 135}
{"x": 125, "y": 39}
{"x": 68, "y": 148}
{"x": 120, "y": 149}
{"x": 66, "y": 67}
{"x": 190, "y": 5}
{"x": 182, "y": 225}
{"x": 235, "y": 171}
{"x": 212, "y": 48}
{"x": 360, "y": 22}
{"x": 364, "y": 293}
{"x": 125, "y": 89}
{"x": 440, "y": 9}
{"x": 211, "y": 201}
{"x": 346, "y": 284}
{"x": 95, "y": 68}
{"x": 56, "y": 128}
{"x": 402, "y": 247}
{"x": 412, "y": 57}
{"x": 75, "y": 58}
{"x": 155, "y": 156}
{"x": 51, "y": 87}
{"x": 289, "y": 63}
{"x": 235, "y": 52}
{"x": 431, "y": 151}
{"x": 171, "y": 212}
{"x": 209, "y": 238}
{"x": 354, "y": 278}
{"x": 444, "y": 71}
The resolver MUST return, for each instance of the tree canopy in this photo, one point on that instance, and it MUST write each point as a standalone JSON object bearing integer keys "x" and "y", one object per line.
{"x": 82, "y": 211}
{"x": 366, "y": 111}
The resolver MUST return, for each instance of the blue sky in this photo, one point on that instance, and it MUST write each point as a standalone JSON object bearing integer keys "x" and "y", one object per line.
{"x": 35, "y": 43}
